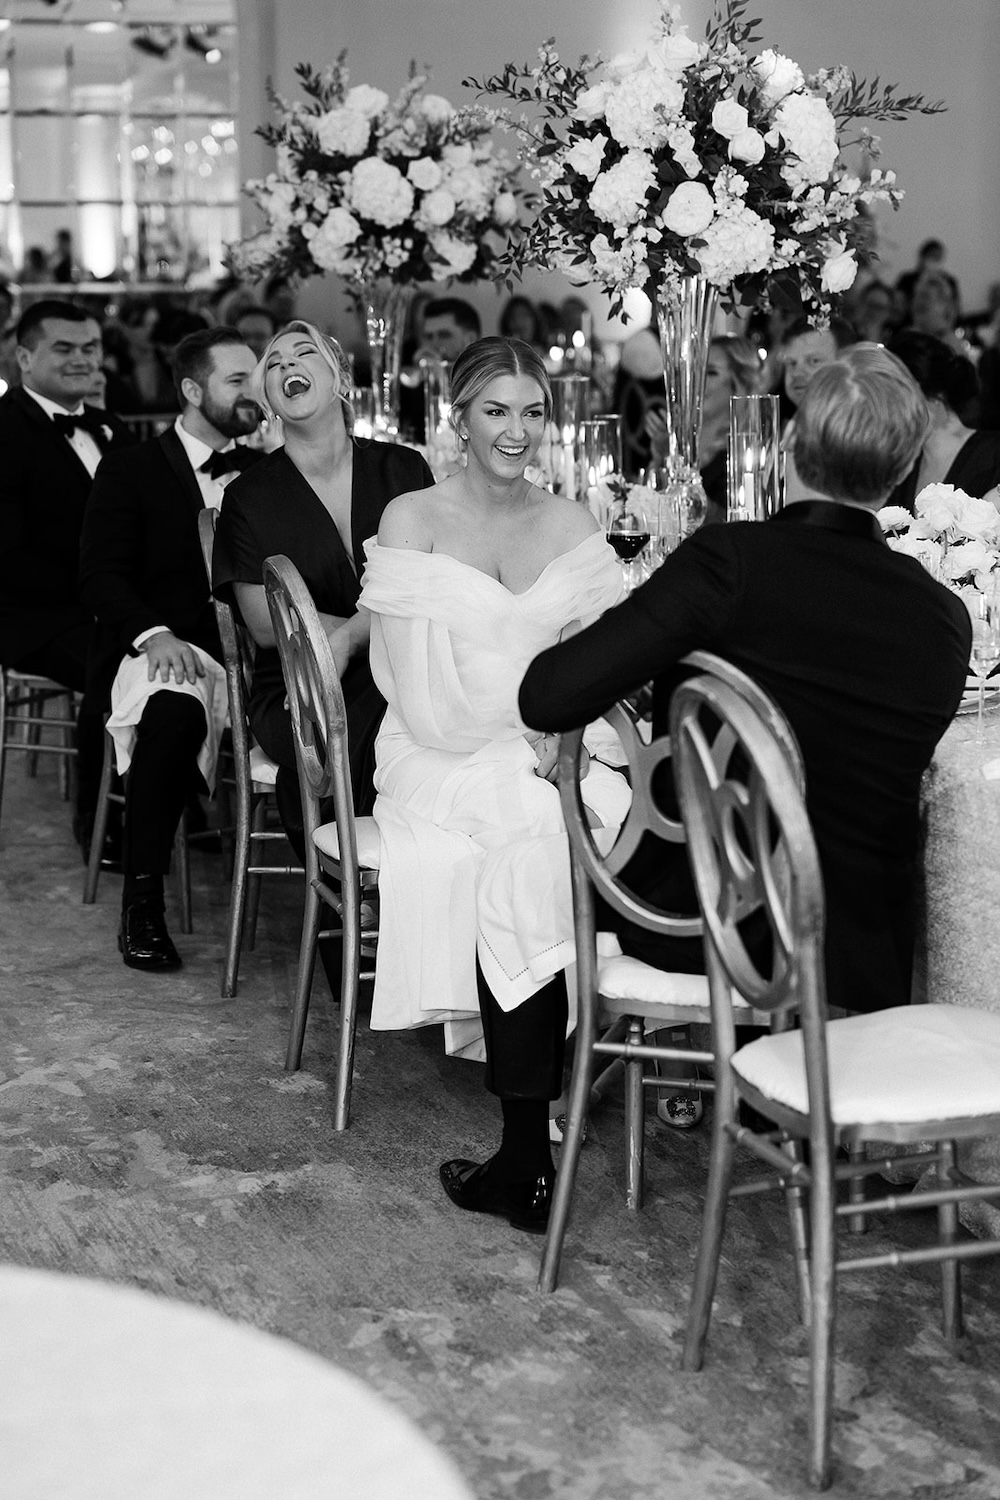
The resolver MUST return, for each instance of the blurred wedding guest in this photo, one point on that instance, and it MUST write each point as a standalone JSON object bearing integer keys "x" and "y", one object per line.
{"x": 257, "y": 326}
{"x": 953, "y": 452}
{"x": 934, "y": 310}
{"x": 733, "y": 369}
{"x": 35, "y": 267}
{"x": 862, "y": 650}
{"x": 872, "y": 312}
{"x": 316, "y": 500}
{"x": 519, "y": 319}
{"x": 10, "y": 373}
{"x": 63, "y": 264}
{"x": 156, "y": 657}
{"x": 51, "y": 444}
{"x": 450, "y": 325}
{"x": 148, "y": 374}
{"x": 278, "y": 296}
{"x": 804, "y": 350}
{"x": 931, "y": 257}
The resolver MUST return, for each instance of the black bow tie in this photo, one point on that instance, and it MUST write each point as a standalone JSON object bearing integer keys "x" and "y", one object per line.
{"x": 90, "y": 421}
{"x": 232, "y": 461}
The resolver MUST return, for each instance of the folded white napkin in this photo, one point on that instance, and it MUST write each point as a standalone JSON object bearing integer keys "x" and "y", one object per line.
{"x": 132, "y": 690}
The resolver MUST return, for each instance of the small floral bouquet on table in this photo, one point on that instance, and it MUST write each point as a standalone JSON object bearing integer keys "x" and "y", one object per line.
{"x": 696, "y": 159}
{"x": 954, "y": 535}
{"x": 409, "y": 189}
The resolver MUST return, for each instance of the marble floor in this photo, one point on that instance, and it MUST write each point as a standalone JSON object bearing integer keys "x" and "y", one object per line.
{"x": 149, "y": 1135}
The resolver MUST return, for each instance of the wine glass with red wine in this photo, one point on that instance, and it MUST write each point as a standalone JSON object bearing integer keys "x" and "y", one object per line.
{"x": 628, "y": 533}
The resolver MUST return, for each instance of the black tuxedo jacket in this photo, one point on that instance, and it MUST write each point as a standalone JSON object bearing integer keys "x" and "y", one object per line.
{"x": 140, "y": 556}
{"x": 43, "y": 491}
{"x": 865, "y": 654}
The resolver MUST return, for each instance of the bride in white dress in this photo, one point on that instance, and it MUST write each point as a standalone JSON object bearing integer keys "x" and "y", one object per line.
{"x": 465, "y": 584}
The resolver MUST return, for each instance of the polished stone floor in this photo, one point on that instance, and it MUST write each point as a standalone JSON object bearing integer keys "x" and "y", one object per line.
{"x": 148, "y": 1135}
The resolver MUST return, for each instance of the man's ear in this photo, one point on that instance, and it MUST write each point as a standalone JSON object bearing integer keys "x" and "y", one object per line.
{"x": 191, "y": 391}
{"x": 23, "y": 358}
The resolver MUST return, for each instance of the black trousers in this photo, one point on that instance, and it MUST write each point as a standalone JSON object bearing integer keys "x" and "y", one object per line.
{"x": 163, "y": 773}
{"x": 64, "y": 659}
{"x": 526, "y": 1046}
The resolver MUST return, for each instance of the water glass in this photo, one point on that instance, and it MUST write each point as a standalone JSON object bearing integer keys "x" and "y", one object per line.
{"x": 601, "y": 449}
{"x": 985, "y": 656}
{"x": 363, "y": 406}
{"x": 570, "y": 394}
{"x": 756, "y": 489}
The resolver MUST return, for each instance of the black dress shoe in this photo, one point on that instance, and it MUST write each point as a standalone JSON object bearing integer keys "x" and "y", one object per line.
{"x": 144, "y": 941}
{"x": 525, "y": 1205}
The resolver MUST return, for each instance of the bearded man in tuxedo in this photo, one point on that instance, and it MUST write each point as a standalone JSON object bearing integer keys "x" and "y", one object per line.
{"x": 156, "y": 659}
{"x": 50, "y": 446}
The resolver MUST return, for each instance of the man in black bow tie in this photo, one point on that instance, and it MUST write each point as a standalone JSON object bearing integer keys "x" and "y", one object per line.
{"x": 156, "y": 654}
{"x": 50, "y": 447}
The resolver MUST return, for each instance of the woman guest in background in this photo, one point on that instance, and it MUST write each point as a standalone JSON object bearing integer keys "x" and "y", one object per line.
{"x": 315, "y": 500}
{"x": 734, "y": 369}
{"x": 464, "y": 584}
{"x": 953, "y": 452}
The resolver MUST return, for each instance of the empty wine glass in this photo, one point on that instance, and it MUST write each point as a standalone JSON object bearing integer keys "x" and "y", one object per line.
{"x": 985, "y": 648}
{"x": 628, "y": 533}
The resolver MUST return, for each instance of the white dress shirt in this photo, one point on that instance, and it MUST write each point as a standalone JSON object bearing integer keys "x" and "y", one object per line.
{"x": 83, "y": 443}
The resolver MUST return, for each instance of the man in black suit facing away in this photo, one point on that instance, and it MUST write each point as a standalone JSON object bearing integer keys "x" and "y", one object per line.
{"x": 863, "y": 651}
{"x": 156, "y": 650}
{"x": 50, "y": 447}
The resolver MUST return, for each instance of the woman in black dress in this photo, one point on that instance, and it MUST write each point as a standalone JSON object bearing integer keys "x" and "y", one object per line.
{"x": 316, "y": 500}
{"x": 954, "y": 453}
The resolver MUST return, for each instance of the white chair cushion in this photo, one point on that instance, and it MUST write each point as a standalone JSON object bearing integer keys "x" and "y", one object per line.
{"x": 263, "y": 769}
{"x": 905, "y": 1065}
{"x": 366, "y": 832}
{"x": 624, "y": 979}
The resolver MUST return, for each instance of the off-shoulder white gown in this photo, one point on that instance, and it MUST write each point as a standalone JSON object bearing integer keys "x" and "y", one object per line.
{"x": 474, "y": 856}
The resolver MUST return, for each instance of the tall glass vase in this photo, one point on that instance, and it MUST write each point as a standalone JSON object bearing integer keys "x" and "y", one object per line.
{"x": 685, "y": 313}
{"x": 385, "y": 305}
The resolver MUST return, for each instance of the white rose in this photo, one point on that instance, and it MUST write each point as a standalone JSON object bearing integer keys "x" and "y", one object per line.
{"x": 729, "y": 118}
{"x": 456, "y": 256}
{"x": 435, "y": 109}
{"x": 675, "y": 52}
{"x": 458, "y": 156}
{"x": 839, "y": 270}
{"x": 777, "y": 75}
{"x": 425, "y": 174}
{"x": 680, "y": 139}
{"x": 690, "y": 209}
{"x": 927, "y": 552}
{"x": 586, "y": 156}
{"x": 890, "y": 517}
{"x": 947, "y": 508}
{"x": 438, "y": 208}
{"x": 747, "y": 145}
{"x": 968, "y": 557}
{"x": 379, "y": 191}
{"x": 619, "y": 194}
{"x": 329, "y": 242}
{"x": 343, "y": 132}
{"x": 505, "y": 208}
{"x": 365, "y": 100}
{"x": 591, "y": 102}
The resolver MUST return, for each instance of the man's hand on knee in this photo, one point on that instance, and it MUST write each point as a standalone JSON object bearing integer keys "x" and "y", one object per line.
{"x": 166, "y": 655}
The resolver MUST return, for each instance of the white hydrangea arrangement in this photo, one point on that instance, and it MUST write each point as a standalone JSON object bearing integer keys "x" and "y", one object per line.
{"x": 696, "y": 158}
{"x": 956, "y": 536}
{"x": 410, "y": 189}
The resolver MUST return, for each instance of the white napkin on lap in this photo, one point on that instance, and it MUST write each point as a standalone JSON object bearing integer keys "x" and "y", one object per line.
{"x": 132, "y": 690}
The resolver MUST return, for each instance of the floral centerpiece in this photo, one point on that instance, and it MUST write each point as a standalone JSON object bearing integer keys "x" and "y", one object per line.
{"x": 694, "y": 169}
{"x": 387, "y": 193}
{"x": 956, "y": 536}
{"x": 697, "y": 159}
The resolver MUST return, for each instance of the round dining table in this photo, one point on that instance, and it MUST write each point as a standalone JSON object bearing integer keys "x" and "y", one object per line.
{"x": 958, "y": 938}
{"x": 111, "y": 1393}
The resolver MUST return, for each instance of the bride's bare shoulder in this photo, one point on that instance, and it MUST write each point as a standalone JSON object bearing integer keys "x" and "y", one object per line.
{"x": 567, "y": 519}
{"x": 409, "y": 520}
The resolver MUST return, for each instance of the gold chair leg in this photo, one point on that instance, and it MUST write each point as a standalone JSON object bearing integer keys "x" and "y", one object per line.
{"x": 822, "y": 1235}
{"x": 100, "y": 824}
{"x": 350, "y": 962}
{"x": 237, "y": 899}
{"x": 795, "y": 1202}
{"x": 856, "y": 1223}
{"x": 713, "y": 1224}
{"x": 303, "y": 979}
{"x": 3, "y": 733}
{"x": 182, "y": 854}
{"x": 951, "y": 1272}
{"x": 569, "y": 1158}
{"x": 635, "y": 1136}
{"x": 258, "y": 824}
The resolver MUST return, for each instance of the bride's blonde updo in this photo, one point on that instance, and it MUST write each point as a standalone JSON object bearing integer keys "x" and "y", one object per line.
{"x": 484, "y": 361}
{"x": 330, "y": 352}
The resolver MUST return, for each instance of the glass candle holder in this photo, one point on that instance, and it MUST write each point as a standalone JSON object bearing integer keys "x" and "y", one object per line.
{"x": 756, "y": 488}
{"x": 569, "y": 410}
